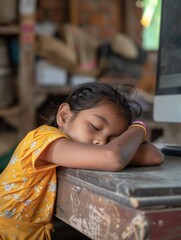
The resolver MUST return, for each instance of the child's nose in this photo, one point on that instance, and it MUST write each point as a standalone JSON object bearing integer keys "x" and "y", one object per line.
{"x": 100, "y": 141}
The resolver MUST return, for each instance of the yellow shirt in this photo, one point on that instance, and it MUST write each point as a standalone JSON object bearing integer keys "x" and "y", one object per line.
{"x": 28, "y": 188}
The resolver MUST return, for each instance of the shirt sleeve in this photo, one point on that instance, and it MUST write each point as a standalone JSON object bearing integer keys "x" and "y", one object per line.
{"x": 35, "y": 143}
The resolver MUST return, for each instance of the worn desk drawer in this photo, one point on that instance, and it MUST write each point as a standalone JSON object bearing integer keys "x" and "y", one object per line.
{"x": 137, "y": 203}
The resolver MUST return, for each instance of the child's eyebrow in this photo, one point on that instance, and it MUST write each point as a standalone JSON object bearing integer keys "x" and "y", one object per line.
{"x": 101, "y": 118}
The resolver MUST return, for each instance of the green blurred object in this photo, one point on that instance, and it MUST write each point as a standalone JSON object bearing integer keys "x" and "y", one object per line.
{"x": 4, "y": 159}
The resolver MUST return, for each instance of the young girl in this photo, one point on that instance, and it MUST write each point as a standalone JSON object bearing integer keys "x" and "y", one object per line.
{"x": 93, "y": 129}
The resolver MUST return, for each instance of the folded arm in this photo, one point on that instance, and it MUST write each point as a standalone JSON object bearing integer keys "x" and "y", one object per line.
{"x": 113, "y": 156}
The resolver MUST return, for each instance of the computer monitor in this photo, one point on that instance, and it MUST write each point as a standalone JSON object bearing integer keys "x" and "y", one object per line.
{"x": 167, "y": 101}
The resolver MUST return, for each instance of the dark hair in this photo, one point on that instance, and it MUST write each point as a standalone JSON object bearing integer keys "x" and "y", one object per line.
{"x": 91, "y": 94}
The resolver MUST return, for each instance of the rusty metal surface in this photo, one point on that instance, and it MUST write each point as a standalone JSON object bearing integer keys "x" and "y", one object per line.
{"x": 142, "y": 187}
{"x": 135, "y": 204}
{"x": 95, "y": 216}
{"x": 165, "y": 224}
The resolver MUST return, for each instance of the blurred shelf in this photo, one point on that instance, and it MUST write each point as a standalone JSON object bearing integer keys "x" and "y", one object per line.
{"x": 53, "y": 89}
{"x": 9, "y": 111}
{"x": 7, "y": 141}
{"x": 22, "y": 115}
{"x": 9, "y": 29}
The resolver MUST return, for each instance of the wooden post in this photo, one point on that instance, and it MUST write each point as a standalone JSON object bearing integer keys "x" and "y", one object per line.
{"x": 26, "y": 66}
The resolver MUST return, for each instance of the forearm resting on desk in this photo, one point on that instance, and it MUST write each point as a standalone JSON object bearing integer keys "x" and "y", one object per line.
{"x": 113, "y": 156}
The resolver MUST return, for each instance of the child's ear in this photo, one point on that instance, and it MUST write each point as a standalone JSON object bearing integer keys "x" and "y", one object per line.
{"x": 63, "y": 114}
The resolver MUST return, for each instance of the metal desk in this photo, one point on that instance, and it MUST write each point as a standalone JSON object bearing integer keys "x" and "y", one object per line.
{"x": 136, "y": 203}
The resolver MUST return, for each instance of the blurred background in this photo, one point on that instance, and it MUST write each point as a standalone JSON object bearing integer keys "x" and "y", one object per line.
{"x": 48, "y": 47}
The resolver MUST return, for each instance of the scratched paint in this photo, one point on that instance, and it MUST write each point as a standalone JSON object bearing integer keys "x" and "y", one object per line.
{"x": 93, "y": 224}
{"x": 98, "y": 217}
{"x": 74, "y": 195}
{"x": 91, "y": 215}
{"x": 79, "y": 223}
{"x": 138, "y": 229}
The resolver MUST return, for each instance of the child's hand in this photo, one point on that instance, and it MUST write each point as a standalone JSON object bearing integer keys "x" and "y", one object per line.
{"x": 147, "y": 155}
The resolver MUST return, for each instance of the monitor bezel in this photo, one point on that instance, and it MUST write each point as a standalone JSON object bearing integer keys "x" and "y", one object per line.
{"x": 158, "y": 90}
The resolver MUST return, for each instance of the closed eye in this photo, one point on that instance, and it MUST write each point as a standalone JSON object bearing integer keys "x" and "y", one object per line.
{"x": 94, "y": 127}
